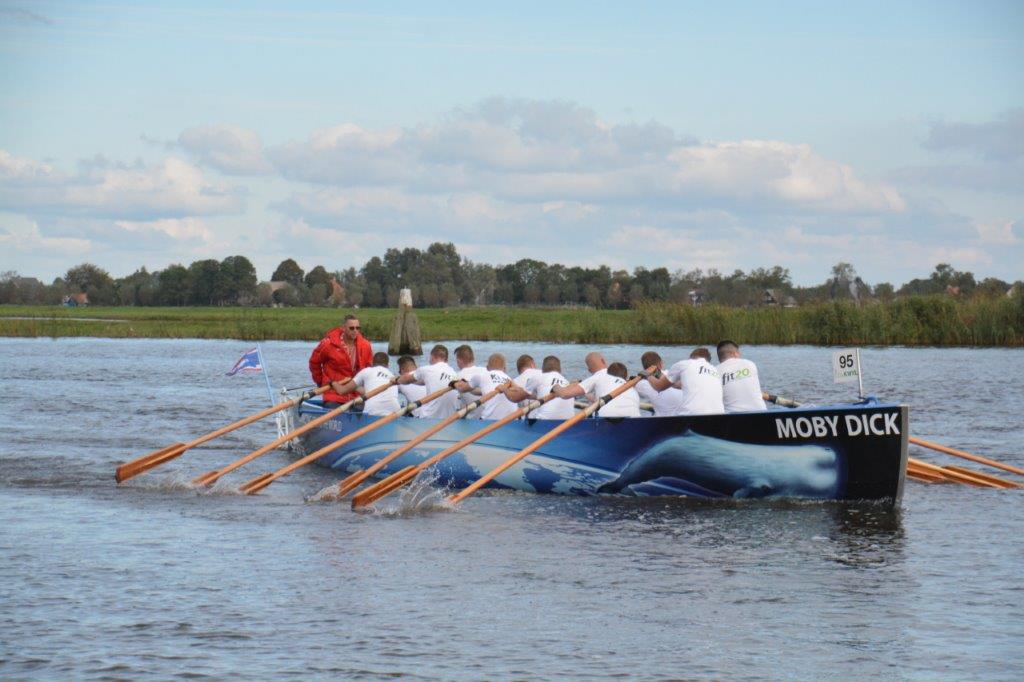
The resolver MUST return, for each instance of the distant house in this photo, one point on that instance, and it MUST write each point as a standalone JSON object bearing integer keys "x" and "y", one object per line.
{"x": 769, "y": 297}
{"x": 75, "y": 300}
{"x": 697, "y": 297}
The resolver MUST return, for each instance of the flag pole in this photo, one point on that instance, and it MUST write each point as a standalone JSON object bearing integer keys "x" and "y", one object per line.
{"x": 266, "y": 374}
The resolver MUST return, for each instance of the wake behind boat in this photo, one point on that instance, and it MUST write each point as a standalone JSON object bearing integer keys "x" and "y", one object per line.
{"x": 836, "y": 452}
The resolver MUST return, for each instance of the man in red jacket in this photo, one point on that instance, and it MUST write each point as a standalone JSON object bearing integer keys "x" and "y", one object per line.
{"x": 340, "y": 354}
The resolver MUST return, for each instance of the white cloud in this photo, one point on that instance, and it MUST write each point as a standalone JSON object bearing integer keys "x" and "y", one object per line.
{"x": 529, "y": 151}
{"x": 229, "y": 149}
{"x": 999, "y": 232}
{"x": 171, "y": 188}
{"x": 26, "y": 238}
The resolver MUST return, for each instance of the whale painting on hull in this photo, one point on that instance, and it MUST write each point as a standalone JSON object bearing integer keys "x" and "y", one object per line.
{"x": 835, "y": 452}
{"x": 701, "y": 466}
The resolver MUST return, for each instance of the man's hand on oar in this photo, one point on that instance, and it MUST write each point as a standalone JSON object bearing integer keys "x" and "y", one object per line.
{"x": 550, "y": 435}
{"x": 151, "y": 461}
{"x": 354, "y": 480}
{"x": 211, "y": 477}
{"x": 405, "y": 476}
{"x": 261, "y": 482}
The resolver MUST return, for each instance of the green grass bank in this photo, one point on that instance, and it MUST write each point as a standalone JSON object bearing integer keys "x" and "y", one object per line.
{"x": 923, "y": 321}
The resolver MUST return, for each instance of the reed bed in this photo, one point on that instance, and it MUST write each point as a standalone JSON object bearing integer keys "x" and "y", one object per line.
{"x": 915, "y": 321}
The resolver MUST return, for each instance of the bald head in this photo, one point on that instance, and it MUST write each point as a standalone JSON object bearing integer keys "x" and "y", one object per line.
{"x": 496, "y": 361}
{"x": 595, "y": 362}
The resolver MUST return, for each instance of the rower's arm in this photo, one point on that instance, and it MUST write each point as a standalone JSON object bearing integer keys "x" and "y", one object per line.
{"x": 515, "y": 393}
{"x": 407, "y": 379}
{"x": 343, "y": 387}
{"x": 462, "y": 386}
{"x": 570, "y": 391}
{"x": 659, "y": 382}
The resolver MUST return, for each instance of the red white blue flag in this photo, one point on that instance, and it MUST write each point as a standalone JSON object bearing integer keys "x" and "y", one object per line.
{"x": 249, "y": 362}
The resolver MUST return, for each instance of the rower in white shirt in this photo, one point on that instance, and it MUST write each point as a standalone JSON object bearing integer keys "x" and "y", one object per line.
{"x": 369, "y": 378}
{"x": 466, "y": 362}
{"x": 603, "y": 379}
{"x": 741, "y": 387}
{"x": 666, "y": 403}
{"x": 537, "y": 385}
{"x": 435, "y": 376}
{"x": 483, "y": 383}
{"x": 411, "y": 392}
{"x": 699, "y": 381}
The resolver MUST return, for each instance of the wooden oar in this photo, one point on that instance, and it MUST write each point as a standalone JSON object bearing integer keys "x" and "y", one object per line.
{"x": 400, "y": 478}
{"x": 261, "y": 482}
{"x": 550, "y": 435}
{"x": 154, "y": 459}
{"x": 966, "y": 455}
{"x": 353, "y": 481}
{"x": 956, "y": 476}
{"x": 211, "y": 477}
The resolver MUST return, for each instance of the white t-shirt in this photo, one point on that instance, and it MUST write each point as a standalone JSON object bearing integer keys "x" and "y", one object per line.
{"x": 385, "y": 402}
{"x": 741, "y": 387}
{"x": 540, "y": 384}
{"x": 524, "y": 378}
{"x": 467, "y": 374}
{"x": 435, "y": 377}
{"x": 601, "y": 383}
{"x": 702, "y": 387}
{"x": 412, "y": 393}
{"x": 499, "y": 406}
{"x": 667, "y": 403}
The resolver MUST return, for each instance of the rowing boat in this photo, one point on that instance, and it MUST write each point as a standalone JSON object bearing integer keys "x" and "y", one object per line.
{"x": 836, "y": 452}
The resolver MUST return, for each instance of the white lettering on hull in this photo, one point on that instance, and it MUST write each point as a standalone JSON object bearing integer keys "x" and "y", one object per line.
{"x": 824, "y": 426}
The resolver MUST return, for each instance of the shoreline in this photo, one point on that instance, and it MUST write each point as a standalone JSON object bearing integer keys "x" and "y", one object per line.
{"x": 912, "y": 322}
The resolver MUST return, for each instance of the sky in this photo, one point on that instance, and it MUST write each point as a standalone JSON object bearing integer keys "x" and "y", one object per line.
{"x": 686, "y": 135}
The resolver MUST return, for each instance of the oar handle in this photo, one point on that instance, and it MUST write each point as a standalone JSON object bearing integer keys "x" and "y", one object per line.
{"x": 550, "y": 435}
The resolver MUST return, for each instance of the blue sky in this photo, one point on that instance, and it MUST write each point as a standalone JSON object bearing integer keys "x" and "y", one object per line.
{"x": 685, "y": 135}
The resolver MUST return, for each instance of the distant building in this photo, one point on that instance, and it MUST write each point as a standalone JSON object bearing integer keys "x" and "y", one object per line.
{"x": 75, "y": 300}
{"x": 769, "y": 297}
{"x": 697, "y": 297}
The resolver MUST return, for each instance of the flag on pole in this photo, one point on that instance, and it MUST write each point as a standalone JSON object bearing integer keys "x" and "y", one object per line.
{"x": 249, "y": 362}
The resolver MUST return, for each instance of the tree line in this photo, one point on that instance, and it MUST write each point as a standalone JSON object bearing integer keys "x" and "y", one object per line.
{"x": 440, "y": 277}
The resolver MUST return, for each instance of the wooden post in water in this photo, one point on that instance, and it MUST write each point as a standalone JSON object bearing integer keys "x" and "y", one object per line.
{"x": 405, "y": 332}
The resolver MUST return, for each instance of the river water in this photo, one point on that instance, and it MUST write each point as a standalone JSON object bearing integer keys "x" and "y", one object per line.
{"x": 155, "y": 580}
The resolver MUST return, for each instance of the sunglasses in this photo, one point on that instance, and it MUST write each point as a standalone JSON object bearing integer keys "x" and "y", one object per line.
{"x": 353, "y": 329}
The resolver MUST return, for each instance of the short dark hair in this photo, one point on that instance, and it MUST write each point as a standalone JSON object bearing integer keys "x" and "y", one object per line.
{"x": 350, "y": 317}
{"x": 464, "y": 353}
{"x": 649, "y": 359}
{"x": 617, "y": 369}
{"x": 701, "y": 352}
{"x": 405, "y": 361}
{"x": 551, "y": 364}
{"x": 381, "y": 359}
{"x": 726, "y": 346}
{"x": 439, "y": 351}
{"x": 522, "y": 362}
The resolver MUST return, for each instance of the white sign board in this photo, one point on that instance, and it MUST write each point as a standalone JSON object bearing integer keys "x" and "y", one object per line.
{"x": 846, "y": 366}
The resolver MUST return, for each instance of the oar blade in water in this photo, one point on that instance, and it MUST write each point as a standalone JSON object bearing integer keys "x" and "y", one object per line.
{"x": 257, "y": 484}
{"x": 385, "y": 487}
{"x": 143, "y": 464}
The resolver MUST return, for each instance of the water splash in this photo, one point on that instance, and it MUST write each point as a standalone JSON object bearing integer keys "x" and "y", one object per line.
{"x": 422, "y": 496}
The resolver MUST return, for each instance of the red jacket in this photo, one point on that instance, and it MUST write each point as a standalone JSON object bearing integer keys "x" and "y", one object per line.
{"x": 330, "y": 362}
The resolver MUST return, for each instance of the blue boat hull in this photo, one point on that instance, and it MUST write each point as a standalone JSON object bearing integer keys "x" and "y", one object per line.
{"x": 852, "y": 452}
